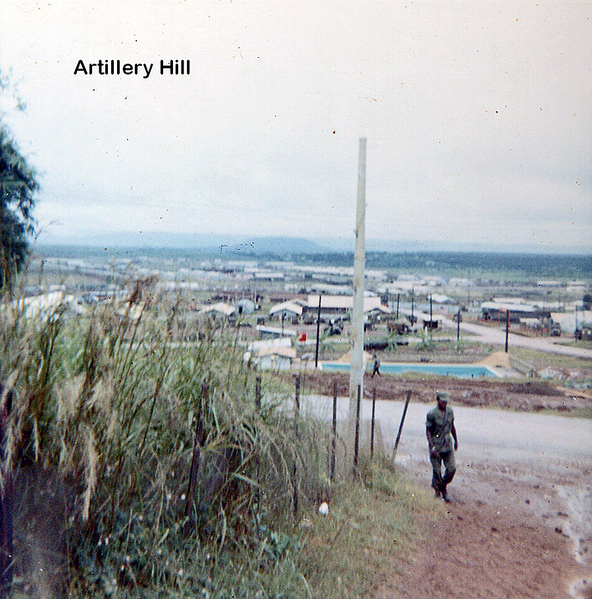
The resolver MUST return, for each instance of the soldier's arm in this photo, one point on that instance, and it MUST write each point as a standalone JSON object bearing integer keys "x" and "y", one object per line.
{"x": 430, "y": 440}
{"x": 453, "y": 431}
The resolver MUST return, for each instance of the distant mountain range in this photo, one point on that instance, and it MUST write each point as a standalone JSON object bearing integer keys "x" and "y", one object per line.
{"x": 205, "y": 242}
{"x": 281, "y": 246}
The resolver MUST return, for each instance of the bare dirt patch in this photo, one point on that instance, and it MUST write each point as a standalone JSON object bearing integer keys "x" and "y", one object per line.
{"x": 529, "y": 396}
{"x": 476, "y": 551}
{"x": 508, "y": 532}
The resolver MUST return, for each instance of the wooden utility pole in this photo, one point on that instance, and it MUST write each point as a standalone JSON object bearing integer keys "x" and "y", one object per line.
{"x": 318, "y": 333}
{"x": 356, "y": 371}
{"x": 576, "y": 326}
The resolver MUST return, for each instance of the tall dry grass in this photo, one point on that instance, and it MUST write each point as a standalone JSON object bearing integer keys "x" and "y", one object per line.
{"x": 168, "y": 478}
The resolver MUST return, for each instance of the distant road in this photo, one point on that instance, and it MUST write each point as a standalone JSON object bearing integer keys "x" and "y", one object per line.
{"x": 498, "y": 337}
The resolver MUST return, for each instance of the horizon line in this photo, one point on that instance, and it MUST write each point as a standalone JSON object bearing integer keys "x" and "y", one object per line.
{"x": 183, "y": 241}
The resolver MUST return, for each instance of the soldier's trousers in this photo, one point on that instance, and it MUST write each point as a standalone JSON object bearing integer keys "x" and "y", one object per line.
{"x": 439, "y": 482}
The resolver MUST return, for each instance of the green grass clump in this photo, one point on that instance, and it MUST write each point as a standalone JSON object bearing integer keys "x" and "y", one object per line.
{"x": 541, "y": 359}
{"x": 369, "y": 533}
{"x": 173, "y": 471}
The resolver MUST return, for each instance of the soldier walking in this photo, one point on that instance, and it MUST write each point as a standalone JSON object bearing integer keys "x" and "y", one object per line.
{"x": 440, "y": 432}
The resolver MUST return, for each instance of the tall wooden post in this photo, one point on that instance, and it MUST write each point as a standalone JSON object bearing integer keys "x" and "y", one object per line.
{"x": 258, "y": 392}
{"x": 356, "y": 371}
{"x": 372, "y": 424}
{"x": 334, "y": 435}
{"x": 431, "y": 318}
{"x": 296, "y": 498}
{"x": 318, "y": 333}
{"x": 401, "y": 425}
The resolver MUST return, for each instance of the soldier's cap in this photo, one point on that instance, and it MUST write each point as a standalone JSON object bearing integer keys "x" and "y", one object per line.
{"x": 441, "y": 396}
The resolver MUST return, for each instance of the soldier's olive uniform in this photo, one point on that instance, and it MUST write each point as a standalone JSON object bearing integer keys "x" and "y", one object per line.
{"x": 440, "y": 426}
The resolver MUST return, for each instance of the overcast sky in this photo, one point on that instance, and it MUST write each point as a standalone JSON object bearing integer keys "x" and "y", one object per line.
{"x": 478, "y": 118}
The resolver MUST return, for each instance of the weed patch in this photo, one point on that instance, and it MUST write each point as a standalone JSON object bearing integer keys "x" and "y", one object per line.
{"x": 369, "y": 532}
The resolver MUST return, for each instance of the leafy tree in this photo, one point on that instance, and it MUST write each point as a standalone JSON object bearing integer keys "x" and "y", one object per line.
{"x": 587, "y": 301}
{"x": 18, "y": 185}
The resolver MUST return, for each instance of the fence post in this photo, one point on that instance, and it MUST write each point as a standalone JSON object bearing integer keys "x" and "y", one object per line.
{"x": 257, "y": 464}
{"x": 334, "y": 438}
{"x": 297, "y": 402}
{"x": 295, "y": 468}
{"x": 372, "y": 423}
{"x": 258, "y": 392}
{"x": 401, "y": 425}
{"x": 197, "y": 441}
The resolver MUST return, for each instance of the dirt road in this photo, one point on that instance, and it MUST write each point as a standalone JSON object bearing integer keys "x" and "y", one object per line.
{"x": 497, "y": 336}
{"x": 519, "y": 523}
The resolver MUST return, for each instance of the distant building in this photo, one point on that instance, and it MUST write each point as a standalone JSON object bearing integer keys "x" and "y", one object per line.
{"x": 289, "y": 310}
{"x": 569, "y": 321}
{"x": 244, "y": 307}
{"x": 549, "y": 284}
{"x": 46, "y": 306}
{"x": 274, "y": 353}
{"x": 340, "y": 305}
{"x": 274, "y": 332}
{"x": 328, "y": 289}
{"x": 439, "y": 298}
{"x": 219, "y": 309}
{"x": 268, "y": 275}
{"x": 275, "y": 358}
{"x": 577, "y": 287}
{"x": 496, "y": 310}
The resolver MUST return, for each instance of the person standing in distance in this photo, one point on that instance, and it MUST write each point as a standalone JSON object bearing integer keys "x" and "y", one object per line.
{"x": 375, "y": 366}
{"x": 441, "y": 432}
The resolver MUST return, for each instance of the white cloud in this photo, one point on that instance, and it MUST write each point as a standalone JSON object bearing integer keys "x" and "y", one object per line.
{"x": 470, "y": 109}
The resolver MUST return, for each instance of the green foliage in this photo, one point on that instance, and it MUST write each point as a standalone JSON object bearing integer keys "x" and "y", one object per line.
{"x": 177, "y": 482}
{"x": 427, "y": 343}
{"x": 370, "y": 530}
{"x": 18, "y": 185}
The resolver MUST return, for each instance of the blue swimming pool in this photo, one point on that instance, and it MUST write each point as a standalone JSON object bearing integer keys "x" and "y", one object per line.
{"x": 466, "y": 371}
